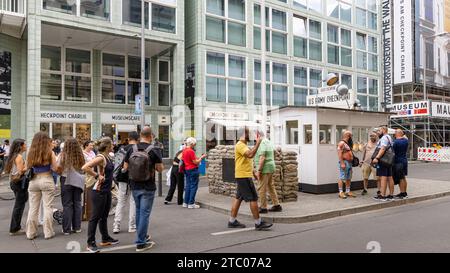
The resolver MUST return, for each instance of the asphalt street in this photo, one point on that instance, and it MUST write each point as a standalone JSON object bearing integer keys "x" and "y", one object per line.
{"x": 420, "y": 227}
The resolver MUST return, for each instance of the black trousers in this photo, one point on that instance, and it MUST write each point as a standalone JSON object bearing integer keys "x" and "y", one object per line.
{"x": 176, "y": 179}
{"x": 101, "y": 204}
{"x": 72, "y": 207}
{"x": 21, "y": 195}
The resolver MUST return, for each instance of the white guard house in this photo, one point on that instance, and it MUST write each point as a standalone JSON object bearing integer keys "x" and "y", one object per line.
{"x": 314, "y": 132}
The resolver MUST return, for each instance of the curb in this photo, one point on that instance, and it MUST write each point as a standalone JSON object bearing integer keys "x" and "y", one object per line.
{"x": 334, "y": 213}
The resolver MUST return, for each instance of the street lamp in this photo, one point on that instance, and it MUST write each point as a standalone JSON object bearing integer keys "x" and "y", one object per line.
{"x": 426, "y": 38}
{"x": 143, "y": 64}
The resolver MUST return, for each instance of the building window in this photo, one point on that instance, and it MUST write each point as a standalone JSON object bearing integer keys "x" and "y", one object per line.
{"x": 307, "y": 38}
{"x": 226, "y": 85}
{"x": 340, "y": 9}
{"x": 164, "y": 83}
{"x": 367, "y": 52}
{"x": 276, "y": 31}
{"x": 276, "y": 83}
{"x": 163, "y": 18}
{"x": 71, "y": 82}
{"x": 429, "y": 16}
{"x": 312, "y": 5}
{"x": 226, "y": 23}
{"x": 367, "y": 90}
{"x": 292, "y": 132}
{"x": 300, "y": 85}
{"x": 65, "y": 6}
{"x": 429, "y": 51}
{"x": 121, "y": 79}
{"x": 131, "y": 13}
{"x": 325, "y": 134}
{"x": 339, "y": 46}
{"x": 307, "y": 133}
{"x": 366, "y": 14}
{"x": 95, "y": 9}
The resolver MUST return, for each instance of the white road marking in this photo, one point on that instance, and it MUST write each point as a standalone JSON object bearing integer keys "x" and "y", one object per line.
{"x": 232, "y": 231}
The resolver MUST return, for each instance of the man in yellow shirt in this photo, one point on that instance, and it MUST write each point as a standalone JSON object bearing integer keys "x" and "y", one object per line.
{"x": 244, "y": 178}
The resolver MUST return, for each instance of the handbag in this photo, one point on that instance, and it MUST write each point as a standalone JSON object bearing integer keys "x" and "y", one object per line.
{"x": 355, "y": 161}
{"x": 387, "y": 159}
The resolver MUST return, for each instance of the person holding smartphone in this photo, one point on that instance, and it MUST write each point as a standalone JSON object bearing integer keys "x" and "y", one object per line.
{"x": 191, "y": 163}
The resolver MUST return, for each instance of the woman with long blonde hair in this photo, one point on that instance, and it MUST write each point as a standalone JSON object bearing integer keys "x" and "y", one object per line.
{"x": 70, "y": 162}
{"x": 42, "y": 161}
{"x": 101, "y": 194}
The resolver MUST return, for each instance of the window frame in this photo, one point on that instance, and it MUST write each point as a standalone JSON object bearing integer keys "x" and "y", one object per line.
{"x": 227, "y": 77}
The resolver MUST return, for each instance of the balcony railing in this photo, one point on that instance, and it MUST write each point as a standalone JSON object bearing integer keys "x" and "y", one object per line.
{"x": 13, "y": 6}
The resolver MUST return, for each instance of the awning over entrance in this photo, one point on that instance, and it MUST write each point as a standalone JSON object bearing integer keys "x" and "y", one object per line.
{"x": 235, "y": 124}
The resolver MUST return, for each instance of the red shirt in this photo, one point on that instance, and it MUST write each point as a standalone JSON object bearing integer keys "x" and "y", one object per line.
{"x": 188, "y": 159}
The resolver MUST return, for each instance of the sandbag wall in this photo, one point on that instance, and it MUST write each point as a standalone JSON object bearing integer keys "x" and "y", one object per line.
{"x": 285, "y": 176}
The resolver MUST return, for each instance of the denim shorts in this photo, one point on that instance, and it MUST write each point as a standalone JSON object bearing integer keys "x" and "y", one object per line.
{"x": 345, "y": 174}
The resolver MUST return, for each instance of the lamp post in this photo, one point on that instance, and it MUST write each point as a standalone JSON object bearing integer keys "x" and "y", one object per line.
{"x": 263, "y": 67}
{"x": 426, "y": 38}
{"x": 142, "y": 64}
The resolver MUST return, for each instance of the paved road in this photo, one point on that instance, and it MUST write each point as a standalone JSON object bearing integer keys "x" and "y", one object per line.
{"x": 434, "y": 171}
{"x": 421, "y": 227}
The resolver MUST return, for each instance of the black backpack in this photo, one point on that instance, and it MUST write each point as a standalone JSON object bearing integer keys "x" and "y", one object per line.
{"x": 119, "y": 159}
{"x": 139, "y": 164}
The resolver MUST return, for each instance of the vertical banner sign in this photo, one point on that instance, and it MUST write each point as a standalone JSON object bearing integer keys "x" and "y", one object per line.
{"x": 137, "y": 106}
{"x": 387, "y": 51}
{"x": 447, "y": 15}
{"x": 5, "y": 94}
{"x": 403, "y": 58}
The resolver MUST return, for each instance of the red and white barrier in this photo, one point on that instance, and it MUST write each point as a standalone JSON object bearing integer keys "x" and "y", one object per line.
{"x": 429, "y": 154}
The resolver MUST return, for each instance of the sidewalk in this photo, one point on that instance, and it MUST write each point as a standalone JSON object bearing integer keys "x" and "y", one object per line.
{"x": 311, "y": 207}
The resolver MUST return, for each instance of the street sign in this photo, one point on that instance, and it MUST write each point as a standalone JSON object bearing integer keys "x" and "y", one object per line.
{"x": 331, "y": 99}
{"x": 411, "y": 109}
{"x": 137, "y": 107}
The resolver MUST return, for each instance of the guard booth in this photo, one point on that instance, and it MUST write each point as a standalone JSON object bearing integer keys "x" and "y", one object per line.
{"x": 314, "y": 132}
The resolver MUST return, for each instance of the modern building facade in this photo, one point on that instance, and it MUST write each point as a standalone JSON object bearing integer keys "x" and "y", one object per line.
{"x": 430, "y": 56}
{"x": 305, "y": 40}
{"x": 76, "y": 66}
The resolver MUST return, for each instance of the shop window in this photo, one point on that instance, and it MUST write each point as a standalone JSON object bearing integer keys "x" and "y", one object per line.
{"x": 45, "y": 127}
{"x": 108, "y": 130}
{"x": 325, "y": 134}
{"x": 308, "y": 134}
{"x": 292, "y": 132}
{"x": 83, "y": 133}
{"x": 340, "y": 130}
{"x": 62, "y": 131}
{"x": 164, "y": 139}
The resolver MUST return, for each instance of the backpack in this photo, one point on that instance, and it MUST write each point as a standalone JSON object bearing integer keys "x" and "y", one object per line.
{"x": 119, "y": 159}
{"x": 139, "y": 164}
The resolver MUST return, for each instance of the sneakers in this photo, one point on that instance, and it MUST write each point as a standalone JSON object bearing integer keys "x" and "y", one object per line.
{"x": 263, "y": 226}
{"x": 19, "y": 232}
{"x": 92, "y": 248}
{"x": 378, "y": 192}
{"x": 166, "y": 203}
{"x": 342, "y": 195}
{"x": 144, "y": 247}
{"x": 148, "y": 238}
{"x": 193, "y": 206}
{"x": 350, "y": 194}
{"x": 132, "y": 230}
{"x": 185, "y": 205}
{"x": 78, "y": 231}
{"x": 401, "y": 196}
{"x": 390, "y": 197}
{"x": 276, "y": 208}
{"x": 263, "y": 211}
{"x": 109, "y": 242}
{"x": 364, "y": 192}
{"x": 380, "y": 198}
{"x": 116, "y": 230}
{"x": 66, "y": 233}
{"x": 235, "y": 224}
